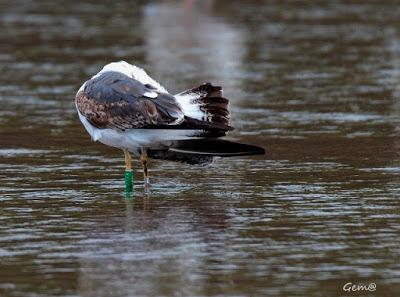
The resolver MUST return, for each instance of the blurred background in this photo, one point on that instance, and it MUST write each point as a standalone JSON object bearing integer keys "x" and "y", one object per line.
{"x": 315, "y": 83}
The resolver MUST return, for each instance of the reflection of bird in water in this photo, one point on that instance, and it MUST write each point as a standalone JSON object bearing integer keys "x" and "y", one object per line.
{"x": 123, "y": 107}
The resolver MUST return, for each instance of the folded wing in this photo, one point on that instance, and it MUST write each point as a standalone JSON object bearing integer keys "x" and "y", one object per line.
{"x": 114, "y": 100}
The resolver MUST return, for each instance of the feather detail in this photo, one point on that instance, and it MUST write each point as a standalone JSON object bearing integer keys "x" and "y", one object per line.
{"x": 205, "y": 103}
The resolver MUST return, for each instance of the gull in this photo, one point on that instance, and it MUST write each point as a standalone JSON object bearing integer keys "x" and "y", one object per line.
{"x": 123, "y": 107}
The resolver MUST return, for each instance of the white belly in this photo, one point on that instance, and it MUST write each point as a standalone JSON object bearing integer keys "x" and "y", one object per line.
{"x": 133, "y": 139}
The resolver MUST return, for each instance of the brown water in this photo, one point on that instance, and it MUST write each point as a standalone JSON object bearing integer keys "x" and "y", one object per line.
{"x": 317, "y": 85}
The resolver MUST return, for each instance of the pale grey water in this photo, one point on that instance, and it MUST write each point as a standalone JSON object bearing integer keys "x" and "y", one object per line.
{"x": 317, "y": 85}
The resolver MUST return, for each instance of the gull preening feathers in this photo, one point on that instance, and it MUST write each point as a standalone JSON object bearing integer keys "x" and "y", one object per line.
{"x": 123, "y": 107}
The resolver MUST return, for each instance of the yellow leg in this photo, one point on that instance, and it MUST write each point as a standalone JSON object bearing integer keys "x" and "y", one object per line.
{"x": 128, "y": 160}
{"x": 129, "y": 174}
{"x": 144, "y": 160}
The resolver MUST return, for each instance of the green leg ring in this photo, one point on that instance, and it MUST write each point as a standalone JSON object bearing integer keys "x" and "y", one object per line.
{"x": 129, "y": 178}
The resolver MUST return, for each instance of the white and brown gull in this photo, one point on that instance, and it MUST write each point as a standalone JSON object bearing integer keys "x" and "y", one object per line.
{"x": 123, "y": 107}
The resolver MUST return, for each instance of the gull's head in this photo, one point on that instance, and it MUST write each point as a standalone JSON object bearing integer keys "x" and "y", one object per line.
{"x": 122, "y": 67}
{"x": 131, "y": 71}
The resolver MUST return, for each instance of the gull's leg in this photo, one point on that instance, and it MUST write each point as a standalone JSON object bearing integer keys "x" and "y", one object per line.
{"x": 128, "y": 171}
{"x": 128, "y": 160}
{"x": 144, "y": 160}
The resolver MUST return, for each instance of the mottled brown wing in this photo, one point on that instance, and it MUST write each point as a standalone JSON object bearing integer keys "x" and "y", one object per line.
{"x": 114, "y": 100}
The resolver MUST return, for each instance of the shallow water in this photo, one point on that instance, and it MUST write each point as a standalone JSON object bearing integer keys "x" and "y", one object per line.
{"x": 316, "y": 85}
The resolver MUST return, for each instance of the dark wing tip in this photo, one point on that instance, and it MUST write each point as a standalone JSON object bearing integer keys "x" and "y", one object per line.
{"x": 217, "y": 147}
{"x": 211, "y": 90}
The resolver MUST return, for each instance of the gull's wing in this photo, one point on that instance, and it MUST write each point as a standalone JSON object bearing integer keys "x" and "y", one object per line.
{"x": 202, "y": 151}
{"x": 114, "y": 100}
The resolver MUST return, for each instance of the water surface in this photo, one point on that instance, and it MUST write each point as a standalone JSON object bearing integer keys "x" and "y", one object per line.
{"x": 316, "y": 85}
